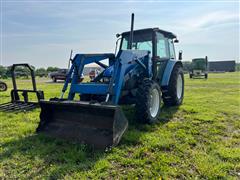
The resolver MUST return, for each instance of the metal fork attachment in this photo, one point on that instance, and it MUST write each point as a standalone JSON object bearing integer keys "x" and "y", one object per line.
{"x": 16, "y": 104}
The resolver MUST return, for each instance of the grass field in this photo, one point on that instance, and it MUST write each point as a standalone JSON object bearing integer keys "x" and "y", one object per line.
{"x": 200, "y": 139}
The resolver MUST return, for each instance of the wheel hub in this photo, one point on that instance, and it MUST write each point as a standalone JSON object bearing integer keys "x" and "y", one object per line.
{"x": 179, "y": 86}
{"x": 154, "y": 102}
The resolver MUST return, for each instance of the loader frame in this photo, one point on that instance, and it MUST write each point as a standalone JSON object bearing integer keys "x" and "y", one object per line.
{"x": 124, "y": 60}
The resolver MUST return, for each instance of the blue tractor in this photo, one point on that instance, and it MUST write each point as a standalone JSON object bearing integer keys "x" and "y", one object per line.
{"x": 144, "y": 72}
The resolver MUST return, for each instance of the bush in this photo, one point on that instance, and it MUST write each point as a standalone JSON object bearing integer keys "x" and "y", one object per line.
{"x": 41, "y": 72}
{"x": 187, "y": 66}
{"x": 237, "y": 66}
{"x": 52, "y": 69}
{"x": 3, "y": 71}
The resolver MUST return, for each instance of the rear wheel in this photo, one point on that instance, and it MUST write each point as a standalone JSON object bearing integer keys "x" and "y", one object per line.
{"x": 175, "y": 90}
{"x": 3, "y": 86}
{"x": 148, "y": 102}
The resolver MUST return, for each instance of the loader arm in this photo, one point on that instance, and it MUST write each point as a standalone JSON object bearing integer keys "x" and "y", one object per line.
{"x": 125, "y": 60}
{"x": 76, "y": 69}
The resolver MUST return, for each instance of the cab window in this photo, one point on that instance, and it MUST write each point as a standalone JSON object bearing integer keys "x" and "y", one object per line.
{"x": 141, "y": 41}
{"x": 171, "y": 49}
{"x": 162, "y": 50}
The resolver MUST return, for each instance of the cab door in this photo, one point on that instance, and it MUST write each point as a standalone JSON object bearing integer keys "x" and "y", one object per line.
{"x": 161, "y": 55}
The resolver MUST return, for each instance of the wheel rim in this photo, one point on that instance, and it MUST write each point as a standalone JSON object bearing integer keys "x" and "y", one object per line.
{"x": 154, "y": 102}
{"x": 2, "y": 87}
{"x": 179, "y": 86}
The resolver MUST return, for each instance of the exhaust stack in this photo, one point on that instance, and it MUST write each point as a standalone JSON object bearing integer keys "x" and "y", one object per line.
{"x": 131, "y": 32}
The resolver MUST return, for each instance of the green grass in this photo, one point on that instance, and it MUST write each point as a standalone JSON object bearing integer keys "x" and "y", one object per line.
{"x": 200, "y": 139}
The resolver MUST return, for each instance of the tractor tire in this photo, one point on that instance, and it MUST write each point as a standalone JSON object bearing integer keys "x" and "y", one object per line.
{"x": 173, "y": 96}
{"x": 148, "y": 102}
{"x": 206, "y": 76}
{"x": 3, "y": 86}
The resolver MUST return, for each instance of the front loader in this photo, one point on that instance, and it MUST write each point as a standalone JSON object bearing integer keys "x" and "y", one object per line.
{"x": 144, "y": 72}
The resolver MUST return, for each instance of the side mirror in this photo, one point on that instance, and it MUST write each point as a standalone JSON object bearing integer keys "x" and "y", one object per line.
{"x": 180, "y": 55}
{"x": 118, "y": 35}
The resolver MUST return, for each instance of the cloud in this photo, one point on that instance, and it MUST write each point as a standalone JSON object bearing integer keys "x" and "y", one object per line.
{"x": 212, "y": 19}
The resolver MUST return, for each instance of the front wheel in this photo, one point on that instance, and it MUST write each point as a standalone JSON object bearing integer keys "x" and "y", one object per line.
{"x": 148, "y": 101}
{"x": 173, "y": 96}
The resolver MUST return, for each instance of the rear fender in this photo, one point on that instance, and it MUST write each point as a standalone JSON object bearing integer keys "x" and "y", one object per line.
{"x": 168, "y": 71}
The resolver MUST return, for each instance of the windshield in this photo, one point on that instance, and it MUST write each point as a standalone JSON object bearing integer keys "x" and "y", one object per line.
{"x": 199, "y": 63}
{"x": 141, "y": 41}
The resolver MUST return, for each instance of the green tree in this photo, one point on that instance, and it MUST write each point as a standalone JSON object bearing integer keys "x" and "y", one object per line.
{"x": 237, "y": 66}
{"x": 52, "y": 69}
{"x": 187, "y": 65}
{"x": 3, "y": 71}
{"x": 41, "y": 72}
{"x": 22, "y": 72}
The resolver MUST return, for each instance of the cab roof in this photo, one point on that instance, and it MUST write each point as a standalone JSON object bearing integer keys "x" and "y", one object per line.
{"x": 156, "y": 29}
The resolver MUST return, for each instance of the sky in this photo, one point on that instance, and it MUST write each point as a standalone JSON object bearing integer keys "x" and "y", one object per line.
{"x": 42, "y": 33}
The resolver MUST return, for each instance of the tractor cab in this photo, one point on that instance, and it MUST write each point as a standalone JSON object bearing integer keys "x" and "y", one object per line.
{"x": 158, "y": 42}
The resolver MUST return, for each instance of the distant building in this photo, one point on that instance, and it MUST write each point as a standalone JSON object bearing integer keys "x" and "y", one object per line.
{"x": 225, "y": 66}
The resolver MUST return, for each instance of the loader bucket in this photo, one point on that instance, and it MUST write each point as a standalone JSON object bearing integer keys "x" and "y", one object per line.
{"x": 95, "y": 124}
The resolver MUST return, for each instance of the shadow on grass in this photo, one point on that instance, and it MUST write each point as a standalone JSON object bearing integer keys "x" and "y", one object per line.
{"x": 58, "y": 158}
{"x": 203, "y": 78}
{"x": 136, "y": 130}
{"x": 58, "y": 82}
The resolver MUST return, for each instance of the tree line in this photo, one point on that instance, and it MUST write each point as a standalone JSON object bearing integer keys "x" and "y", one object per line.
{"x": 5, "y": 72}
{"x": 43, "y": 72}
